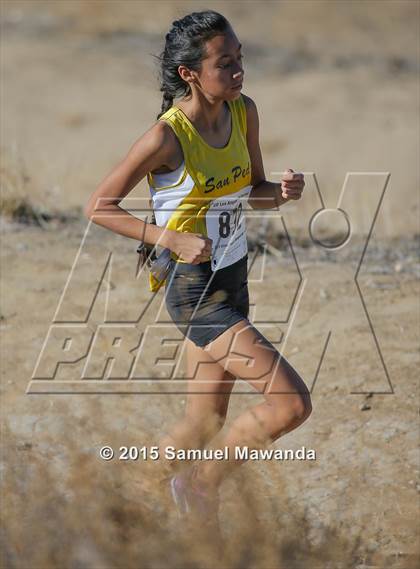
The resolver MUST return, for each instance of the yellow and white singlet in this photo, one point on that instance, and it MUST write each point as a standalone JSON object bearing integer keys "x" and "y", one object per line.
{"x": 206, "y": 193}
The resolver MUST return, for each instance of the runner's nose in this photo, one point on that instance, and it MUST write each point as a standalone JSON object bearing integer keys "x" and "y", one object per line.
{"x": 238, "y": 73}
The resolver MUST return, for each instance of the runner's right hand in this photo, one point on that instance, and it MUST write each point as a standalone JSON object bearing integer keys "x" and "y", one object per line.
{"x": 193, "y": 248}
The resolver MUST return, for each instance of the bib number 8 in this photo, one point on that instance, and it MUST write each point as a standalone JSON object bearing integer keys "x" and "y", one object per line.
{"x": 224, "y": 221}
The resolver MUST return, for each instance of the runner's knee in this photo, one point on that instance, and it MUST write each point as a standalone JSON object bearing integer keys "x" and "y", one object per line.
{"x": 208, "y": 423}
{"x": 296, "y": 410}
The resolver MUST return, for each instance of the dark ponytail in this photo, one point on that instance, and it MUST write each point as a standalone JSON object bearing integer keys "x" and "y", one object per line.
{"x": 185, "y": 45}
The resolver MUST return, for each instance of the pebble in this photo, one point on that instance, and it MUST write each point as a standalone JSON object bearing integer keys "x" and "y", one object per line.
{"x": 324, "y": 294}
{"x": 398, "y": 267}
{"x": 24, "y": 446}
{"x": 365, "y": 407}
{"x": 389, "y": 434}
{"x": 372, "y": 546}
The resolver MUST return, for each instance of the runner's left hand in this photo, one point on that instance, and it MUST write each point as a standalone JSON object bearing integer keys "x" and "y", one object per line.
{"x": 292, "y": 184}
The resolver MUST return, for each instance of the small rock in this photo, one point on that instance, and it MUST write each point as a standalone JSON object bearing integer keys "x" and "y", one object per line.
{"x": 323, "y": 294}
{"x": 398, "y": 267}
{"x": 365, "y": 407}
{"x": 373, "y": 546}
{"x": 24, "y": 446}
{"x": 389, "y": 433}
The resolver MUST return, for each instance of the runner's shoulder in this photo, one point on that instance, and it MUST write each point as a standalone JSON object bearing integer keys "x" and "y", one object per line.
{"x": 250, "y": 105}
{"x": 165, "y": 142}
{"x": 163, "y": 135}
{"x": 251, "y": 112}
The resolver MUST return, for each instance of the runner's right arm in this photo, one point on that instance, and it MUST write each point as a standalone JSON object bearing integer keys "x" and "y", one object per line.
{"x": 152, "y": 150}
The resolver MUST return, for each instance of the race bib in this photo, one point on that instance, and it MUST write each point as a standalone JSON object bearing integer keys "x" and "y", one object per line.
{"x": 226, "y": 226}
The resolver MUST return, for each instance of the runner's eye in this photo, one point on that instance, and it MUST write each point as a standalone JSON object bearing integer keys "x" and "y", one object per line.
{"x": 240, "y": 57}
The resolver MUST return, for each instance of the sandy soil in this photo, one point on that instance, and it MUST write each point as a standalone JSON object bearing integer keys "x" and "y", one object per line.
{"x": 336, "y": 85}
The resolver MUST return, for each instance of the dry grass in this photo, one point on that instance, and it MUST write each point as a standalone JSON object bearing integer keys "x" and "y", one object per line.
{"x": 19, "y": 200}
{"x": 67, "y": 509}
{"x": 96, "y": 518}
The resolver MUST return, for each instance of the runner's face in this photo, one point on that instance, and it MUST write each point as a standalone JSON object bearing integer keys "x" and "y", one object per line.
{"x": 221, "y": 73}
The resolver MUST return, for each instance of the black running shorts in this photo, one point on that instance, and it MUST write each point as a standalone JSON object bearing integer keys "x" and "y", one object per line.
{"x": 202, "y": 303}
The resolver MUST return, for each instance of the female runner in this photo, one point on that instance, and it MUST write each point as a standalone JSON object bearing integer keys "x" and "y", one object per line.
{"x": 204, "y": 165}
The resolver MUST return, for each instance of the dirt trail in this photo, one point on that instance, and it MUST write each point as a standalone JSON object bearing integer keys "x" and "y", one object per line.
{"x": 336, "y": 85}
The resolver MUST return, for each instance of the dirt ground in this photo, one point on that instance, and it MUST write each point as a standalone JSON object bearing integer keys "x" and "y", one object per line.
{"x": 336, "y": 85}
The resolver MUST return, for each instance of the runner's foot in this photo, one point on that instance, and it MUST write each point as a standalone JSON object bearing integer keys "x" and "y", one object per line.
{"x": 203, "y": 500}
{"x": 179, "y": 486}
{"x": 191, "y": 496}
{"x": 198, "y": 504}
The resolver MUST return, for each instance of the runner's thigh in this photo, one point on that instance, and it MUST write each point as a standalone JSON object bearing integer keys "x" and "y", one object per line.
{"x": 247, "y": 354}
{"x": 209, "y": 384}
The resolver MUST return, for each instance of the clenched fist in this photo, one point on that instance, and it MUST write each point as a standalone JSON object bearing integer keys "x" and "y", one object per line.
{"x": 292, "y": 184}
{"x": 193, "y": 248}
